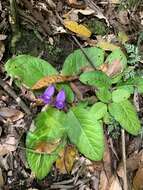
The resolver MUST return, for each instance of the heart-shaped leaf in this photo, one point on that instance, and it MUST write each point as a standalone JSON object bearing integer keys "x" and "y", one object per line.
{"x": 77, "y": 60}
{"x": 125, "y": 113}
{"x": 47, "y": 140}
{"x": 28, "y": 69}
{"x": 86, "y": 133}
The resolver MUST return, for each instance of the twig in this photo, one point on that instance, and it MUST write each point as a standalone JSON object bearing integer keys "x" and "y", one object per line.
{"x": 124, "y": 159}
{"x": 77, "y": 42}
{"x": 86, "y": 56}
{"x": 11, "y": 92}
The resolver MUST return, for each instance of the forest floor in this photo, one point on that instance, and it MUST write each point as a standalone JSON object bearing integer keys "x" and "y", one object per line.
{"x": 36, "y": 28}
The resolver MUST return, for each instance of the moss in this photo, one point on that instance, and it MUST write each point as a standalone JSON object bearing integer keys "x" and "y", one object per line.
{"x": 97, "y": 27}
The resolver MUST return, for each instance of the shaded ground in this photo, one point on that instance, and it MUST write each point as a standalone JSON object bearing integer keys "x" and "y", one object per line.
{"x": 37, "y": 30}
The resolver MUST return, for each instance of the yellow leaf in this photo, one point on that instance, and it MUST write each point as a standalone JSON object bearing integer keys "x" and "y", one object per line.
{"x": 107, "y": 46}
{"x": 48, "y": 80}
{"x": 66, "y": 160}
{"x": 77, "y": 28}
{"x": 122, "y": 37}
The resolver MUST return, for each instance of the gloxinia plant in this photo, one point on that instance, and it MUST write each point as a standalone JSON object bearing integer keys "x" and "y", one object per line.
{"x": 82, "y": 124}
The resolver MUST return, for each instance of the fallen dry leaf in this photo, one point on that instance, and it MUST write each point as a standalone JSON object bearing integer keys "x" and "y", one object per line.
{"x": 106, "y": 174}
{"x": 47, "y": 147}
{"x": 48, "y": 80}
{"x": 77, "y": 28}
{"x": 123, "y": 17}
{"x": 11, "y": 114}
{"x": 138, "y": 180}
{"x": 9, "y": 145}
{"x": 107, "y": 46}
{"x": 133, "y": 163}
{"x": 114, "y": 1}
{"x": 115, "y": 184}
{"x": 66, "y": 160}
{"x": 76, "y": 4}
{"x": 2, "y": 47}
{"x": 2, "y": 37}
{"x": 73, "y": 14}
{"x": 112, "y": 69}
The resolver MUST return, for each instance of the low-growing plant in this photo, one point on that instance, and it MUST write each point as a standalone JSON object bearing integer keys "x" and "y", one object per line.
{"x": 67, "y": 118}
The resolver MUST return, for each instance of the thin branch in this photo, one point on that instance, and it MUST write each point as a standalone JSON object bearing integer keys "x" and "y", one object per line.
{"x": 77, "y": 42}
{"x": 11, "y": 92}
{"x": 124, "y": 159}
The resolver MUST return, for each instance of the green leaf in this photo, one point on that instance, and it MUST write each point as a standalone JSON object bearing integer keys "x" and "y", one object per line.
{"x": 125, "y": 113}
{"x": 104, "y": 95}
{"x": 128, "y": 88}
{"x": 86, "y": 133}
{"x": 77, "y": 60}
{"x": 68, "y": 91}
{"x": 28, "y": 69}
{"x": 117, "y": 54}
{"x": 41, "y": 164}
{"x": 99, "y": 109}
{"x": 95, "y": 78}
{"x": 136, "y": 82}
{"x": 120, "y": 95}
{"x": 49, "y": 128}
{"x": 117, "y": 78}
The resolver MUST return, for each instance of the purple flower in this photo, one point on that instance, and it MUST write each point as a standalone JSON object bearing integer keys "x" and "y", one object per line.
{"x": 47, "y": 95}
{"x": 60, "y": 100}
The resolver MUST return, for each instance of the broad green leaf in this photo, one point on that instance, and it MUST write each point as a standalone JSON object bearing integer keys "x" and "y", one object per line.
{"x": 77, "y": 60}
{"x": 128, "y": 88}
{"x": 95, "y": 78}
{"x": 99, "y": 109}
{"x": 104, "y": 95}
{"x": 117, "y": 78}
{"x": 117, "y": 54}
{"x": 68, "y": 91}
{"x": 41, "y": 164}
{"x": 136, "y": 82}
{"x": 28, "y": 69}
{"x": 49, "y": 129}
{"x": 120, "y": 95}
{"x": 86, "y": 133}
{"x": 125, "y": 113}
{"x": 47, "y": 123}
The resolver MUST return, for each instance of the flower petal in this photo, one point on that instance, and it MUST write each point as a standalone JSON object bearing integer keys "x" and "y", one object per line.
{"x": 47, "y": 95}
{"x": 60, "y": 105}
{"x": 61, "y": 96}
{"x": 60, "y": 100}
{"x": 49, "y": 91}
